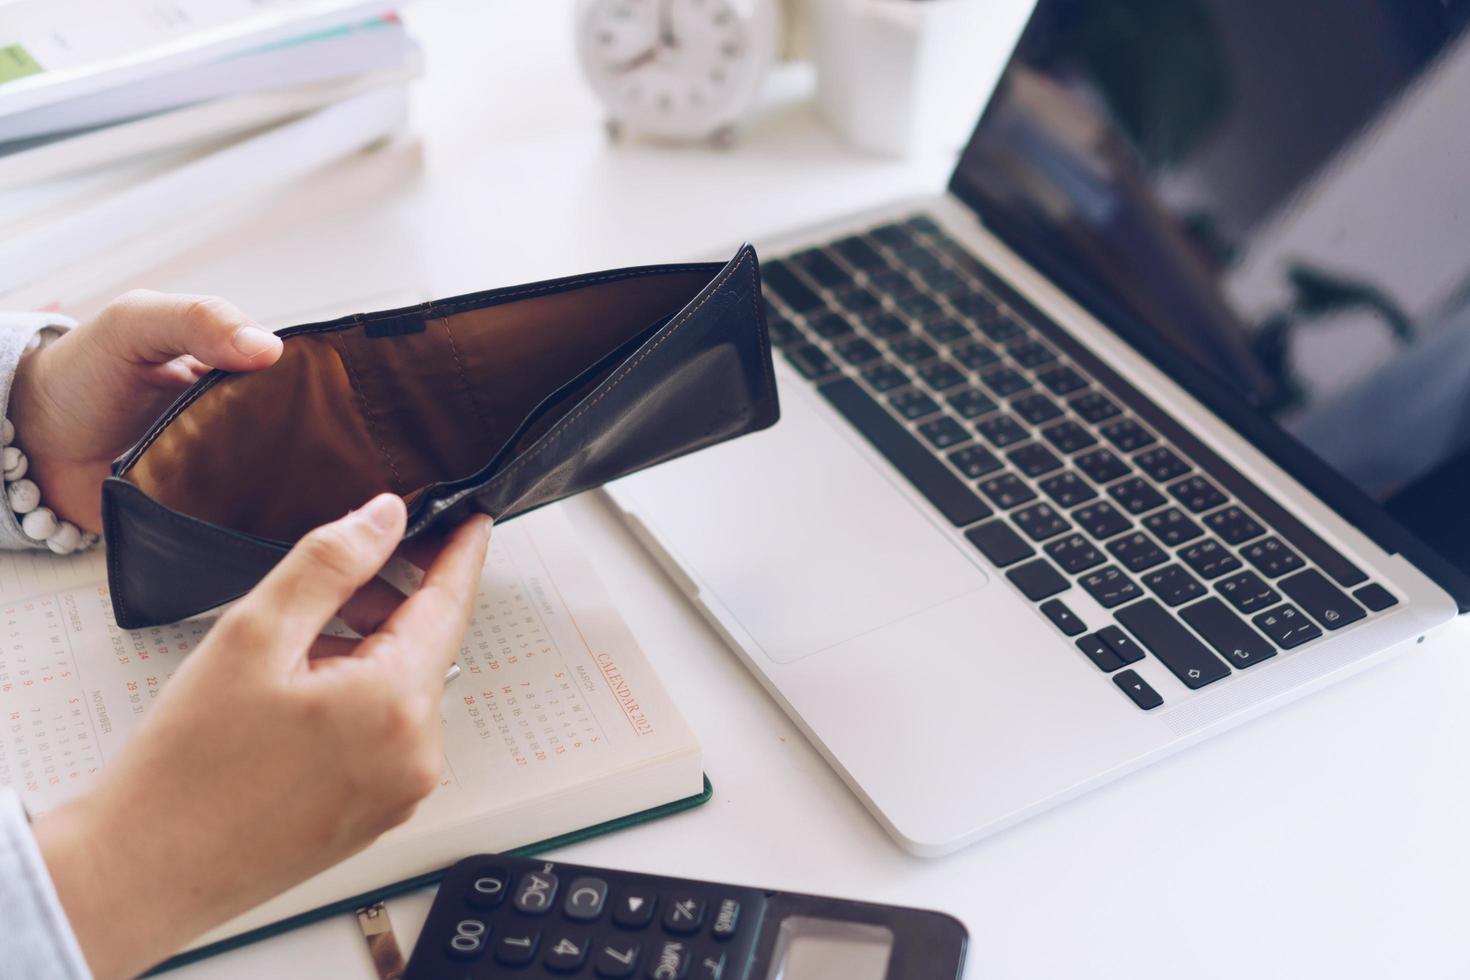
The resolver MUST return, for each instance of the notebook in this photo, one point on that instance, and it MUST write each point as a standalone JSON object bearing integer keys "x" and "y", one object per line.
{"x": 556, "y": 723}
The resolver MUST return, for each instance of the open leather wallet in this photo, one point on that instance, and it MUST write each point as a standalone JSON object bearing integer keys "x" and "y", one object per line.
{"x": 499, "y": 402}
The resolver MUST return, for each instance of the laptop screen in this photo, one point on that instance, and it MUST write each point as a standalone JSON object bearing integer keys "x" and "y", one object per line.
{"x": 1281, "y": 191}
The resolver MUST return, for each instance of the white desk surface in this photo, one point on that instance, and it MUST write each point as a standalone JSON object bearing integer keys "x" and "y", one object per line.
{"x": 1331, "y": 839}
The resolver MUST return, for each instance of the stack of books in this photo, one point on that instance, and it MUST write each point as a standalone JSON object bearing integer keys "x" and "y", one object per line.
{"x": 119, "y": 119}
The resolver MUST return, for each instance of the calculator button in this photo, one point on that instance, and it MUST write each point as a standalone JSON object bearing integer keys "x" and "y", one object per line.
{"x": 585, "y": 898}
{"x": 709, "y": 966}
{"x": 684, "y": 914}
{"x": 670, "y": 960}
{"x": 517, "y": 948}
{"x": 566, "y": 952}
{"x": 468, "y": 941}
{"x": 727, "y": 919}
{"x": 537, "y": 893}
{"x": 616, "y": 959}
{"x": 488, "y": 888}
{"x": 634, "y": 908}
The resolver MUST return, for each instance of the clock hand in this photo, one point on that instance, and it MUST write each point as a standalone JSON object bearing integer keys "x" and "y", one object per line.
{"x": 637, "y": 61}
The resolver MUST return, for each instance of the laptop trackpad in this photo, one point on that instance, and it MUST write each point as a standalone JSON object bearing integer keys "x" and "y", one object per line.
{"x": 799, "y": 535}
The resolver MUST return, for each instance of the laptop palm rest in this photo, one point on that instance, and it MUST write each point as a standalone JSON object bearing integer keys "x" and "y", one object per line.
{"x": 800, "y": 578}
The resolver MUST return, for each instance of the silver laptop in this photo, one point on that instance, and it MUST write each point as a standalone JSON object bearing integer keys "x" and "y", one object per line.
{"x": 1158, "y": 419}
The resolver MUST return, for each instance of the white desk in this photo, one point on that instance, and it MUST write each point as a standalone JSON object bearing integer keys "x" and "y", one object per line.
{"x": 1331, "y": 839}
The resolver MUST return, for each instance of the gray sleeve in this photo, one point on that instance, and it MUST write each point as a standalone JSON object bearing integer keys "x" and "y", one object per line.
{"x": 19, "y": 333}
{"x": 37, "y": 941}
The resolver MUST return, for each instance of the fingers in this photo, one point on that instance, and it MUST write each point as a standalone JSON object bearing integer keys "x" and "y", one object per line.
{"x": 146, "y": 326}
{"x": 291, "y": 605}
{"x": 430, "y": 625}
{"x": 370, "y": 607}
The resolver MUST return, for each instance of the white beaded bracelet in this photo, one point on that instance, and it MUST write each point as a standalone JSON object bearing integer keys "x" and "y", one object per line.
{"x": 38, "y": 523}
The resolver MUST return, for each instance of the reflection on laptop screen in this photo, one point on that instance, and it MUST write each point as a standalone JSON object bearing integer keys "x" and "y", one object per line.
{"x": 1281, "y": 191}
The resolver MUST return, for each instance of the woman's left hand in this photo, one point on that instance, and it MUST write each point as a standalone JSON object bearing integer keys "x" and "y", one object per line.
{"x": 82, "y": 400}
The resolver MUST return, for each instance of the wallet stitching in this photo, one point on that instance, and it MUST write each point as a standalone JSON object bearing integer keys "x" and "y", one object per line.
{"x": 367, "y": 418}
{"x": 464, "y": 377}
{"x": 556, "y": 433}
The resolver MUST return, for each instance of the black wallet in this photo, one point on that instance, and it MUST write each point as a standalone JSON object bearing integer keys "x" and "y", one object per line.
{"x": 497, "y": 402}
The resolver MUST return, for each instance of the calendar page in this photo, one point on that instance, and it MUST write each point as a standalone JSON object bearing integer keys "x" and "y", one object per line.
{"x": 552, "y": 689}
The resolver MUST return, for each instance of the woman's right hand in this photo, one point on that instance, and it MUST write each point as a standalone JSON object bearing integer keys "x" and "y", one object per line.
{"x": 274, "y": 752}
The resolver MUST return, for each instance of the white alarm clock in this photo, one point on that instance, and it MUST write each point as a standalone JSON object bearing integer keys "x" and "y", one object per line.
{"x": 677, "y": 69}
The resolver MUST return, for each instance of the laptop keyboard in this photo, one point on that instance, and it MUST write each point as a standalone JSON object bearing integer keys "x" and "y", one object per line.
{"x": 1059, "y": 472}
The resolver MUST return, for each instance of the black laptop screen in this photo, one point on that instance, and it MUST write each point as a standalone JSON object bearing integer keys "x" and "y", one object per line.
{"x": 1279, "y": 190}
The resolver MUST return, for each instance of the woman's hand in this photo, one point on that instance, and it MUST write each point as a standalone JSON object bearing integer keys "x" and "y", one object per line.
{"x": 79, "y": 402}
{"x": 274, "y": 752}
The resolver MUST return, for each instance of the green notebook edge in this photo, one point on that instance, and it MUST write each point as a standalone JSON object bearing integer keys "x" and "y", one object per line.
{"x": 410, "y": 884}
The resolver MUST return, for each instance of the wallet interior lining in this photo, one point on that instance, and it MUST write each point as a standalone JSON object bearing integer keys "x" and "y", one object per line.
{"x": 343, "y": 416}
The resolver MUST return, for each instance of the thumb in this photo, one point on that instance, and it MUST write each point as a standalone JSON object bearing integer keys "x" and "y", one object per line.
{"x": 292, "y": 604}
{"x": 147, "y": 326}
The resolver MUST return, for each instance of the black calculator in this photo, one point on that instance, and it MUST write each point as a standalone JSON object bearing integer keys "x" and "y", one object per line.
{"x": 511, "y": 917}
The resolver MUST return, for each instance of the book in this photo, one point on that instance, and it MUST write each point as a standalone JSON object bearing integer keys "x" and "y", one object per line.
{"x": 556, "y": 723}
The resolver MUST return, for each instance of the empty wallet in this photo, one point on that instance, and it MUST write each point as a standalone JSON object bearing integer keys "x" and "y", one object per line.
{"x": 494, "y": 402}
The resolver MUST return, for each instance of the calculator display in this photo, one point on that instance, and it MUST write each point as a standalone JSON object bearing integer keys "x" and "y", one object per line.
{"x": 826, "y": 949}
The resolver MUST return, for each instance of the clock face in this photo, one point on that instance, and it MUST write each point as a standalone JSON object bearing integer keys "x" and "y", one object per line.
{"x": 677, "y": 68}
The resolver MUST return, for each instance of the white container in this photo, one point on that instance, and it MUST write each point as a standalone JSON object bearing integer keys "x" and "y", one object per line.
{"x": 901, "y": 77}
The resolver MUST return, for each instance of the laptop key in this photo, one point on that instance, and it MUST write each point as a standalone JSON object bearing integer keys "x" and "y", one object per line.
{"x": 1287, "y": 626}
{"x": 1036, "y": 408}
{"x": 884, "y": 325}
{"x": 1161, "y": 464}
{"x": 1061, "y": 380}
{"x": 943, "y": 432}
{"x": 999, "y": 543}
{"x": 885, "y": 377}
{"x": 1136, "y": 495}
{"x": 1101, "y": 466}
{"x": 913, "y": 404}
{"x": 1074, "y": 553}
{"x": 1375, "y": 597}
{"x": 1068, "y": 437}
{"x": 911, "y": 349}
{"x": 1037, "y": 579}
{"x": 810, "y": 360}
{"x": 971, "y": 403}
{"x": 1126, "y": 434}
{"x": 940, "y": 375}
{"x": 1121, "y": 643}
{"x": 893, "y": 235}
{"x": 1094, "y": 407}
{"x": 1172, "y": 527}
{"x": 1174, "y": 585}
{"x": 1138, "y": 689}
{"x": 858, "y": 351}
{"x": 1186, "y": 657}
{"x": 1137, "y": 551}
{"x": 1040, "y": 522}
{"x": 1321, "y": 600}
{"x": 1271, "y": 557}
{"x": 1001, "y": 328}
{"x": 974, "y": 461}
{"x": 916, "y": 304}
{"x": 830, "y": 325}
{"x": 1209, "y": 559}
{"x": 1197, "y": 493}
{"x": 1063, "y": 618}
{"x": 1110, "y": 587}
{"x": 889, "y": 282}
{"x": 976, "y": 357}
{"x": 1240, "y": 645}
{"x": 1033, "y": 459}
{"x": 1067, "y": 489}
{"x": 1101, "y": 520}
{"x": 1031, "y": 353}
{"x": 816, "y": 263}
{"x": 782, "y": 331}
{"x": 787, "y": 285}
{"x": 1099, "y": 653}
{"x": 1005, "y": 382}
{"x": 948, "y": 493}
{"x": 1247, "y": 592}
{"x": 1001, "y": 430}
{"x": 943, "y": 330}
{"x": 1006, "y": 491}
{"x": 1234, "y": 525}
{"x": 858, "y": 300}
{"x": 858, "y": 253}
